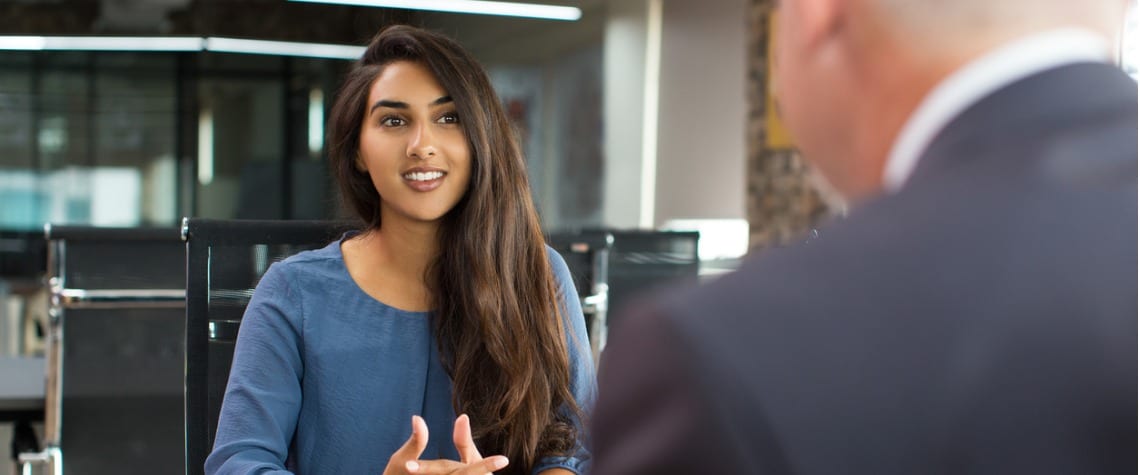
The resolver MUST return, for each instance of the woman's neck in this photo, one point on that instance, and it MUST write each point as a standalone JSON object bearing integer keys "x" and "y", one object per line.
{"x": 389, "y": 263}
{"x": 406, "y": 248}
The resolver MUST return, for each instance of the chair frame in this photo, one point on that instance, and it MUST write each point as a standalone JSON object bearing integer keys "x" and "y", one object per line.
{"x": 595, "y": 301}
{"x": 62, "y": 298}
{"x": 201, "y": 235}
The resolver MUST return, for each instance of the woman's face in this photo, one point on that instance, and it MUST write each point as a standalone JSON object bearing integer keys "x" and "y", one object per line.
{"x": 412, "y": 146}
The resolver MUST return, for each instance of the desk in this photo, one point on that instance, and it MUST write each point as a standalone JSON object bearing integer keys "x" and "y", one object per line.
{"x": 21, "y": 388}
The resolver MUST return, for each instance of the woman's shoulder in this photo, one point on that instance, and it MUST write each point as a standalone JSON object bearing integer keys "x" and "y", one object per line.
{"x": 554, "y": 256}
{"x": 559, "y": 269}
{"x": 325, "y": 263}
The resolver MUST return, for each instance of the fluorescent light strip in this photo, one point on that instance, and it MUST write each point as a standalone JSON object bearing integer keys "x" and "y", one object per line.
{"x": 126, "y": 43}
{"x": 176, "y": 44}
{"x": 480, "y": 7}
{"x": 22, "y": 42}
{"x": 283, "y": 48}
{"x": 101, "y": 43}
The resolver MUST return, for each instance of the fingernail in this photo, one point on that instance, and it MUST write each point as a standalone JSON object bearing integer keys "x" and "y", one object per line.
{"x": 499, "y": 462}
{"x": 412, "y": 466}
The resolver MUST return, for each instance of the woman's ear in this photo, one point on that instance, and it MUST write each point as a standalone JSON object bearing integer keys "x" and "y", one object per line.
{"x": 359, "y": 163}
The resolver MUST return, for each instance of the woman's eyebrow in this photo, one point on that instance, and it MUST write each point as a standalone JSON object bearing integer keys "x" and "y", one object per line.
{"x": 404, "y": 105}
{"x": 387, "y": 103}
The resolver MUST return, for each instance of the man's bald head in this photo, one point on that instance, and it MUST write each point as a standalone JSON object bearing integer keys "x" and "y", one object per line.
{"x": 848, "y": 73}
{"x": 946, "y": 25}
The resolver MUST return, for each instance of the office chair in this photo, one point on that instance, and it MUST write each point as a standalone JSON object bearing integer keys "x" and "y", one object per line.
{"x": 587, "y": 257}
{"x": 225, "y": 259}
{"x": 641, "y": 260}
{"x": 114, "y": 363}
{"x": 611, "y": 266}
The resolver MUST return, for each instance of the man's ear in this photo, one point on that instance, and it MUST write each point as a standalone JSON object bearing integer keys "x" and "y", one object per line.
{"x": 819, "y": 20}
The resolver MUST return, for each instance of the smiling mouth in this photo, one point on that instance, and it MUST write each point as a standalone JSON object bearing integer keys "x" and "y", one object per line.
{"x": 423, "y": 176}
{"x": 424, "y": 181}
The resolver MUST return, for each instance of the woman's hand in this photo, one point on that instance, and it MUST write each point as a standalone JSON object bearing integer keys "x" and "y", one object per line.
{"x": 411, "y": 449}
{"x": 471, "y": 462}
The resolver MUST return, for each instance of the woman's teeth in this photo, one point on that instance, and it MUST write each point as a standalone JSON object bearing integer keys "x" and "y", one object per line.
{"x": 423, "y": 176}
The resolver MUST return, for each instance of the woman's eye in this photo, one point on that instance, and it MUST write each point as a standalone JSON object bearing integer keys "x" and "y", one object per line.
{"x": 391, "y": 121}
{"x": 449, "y": 118}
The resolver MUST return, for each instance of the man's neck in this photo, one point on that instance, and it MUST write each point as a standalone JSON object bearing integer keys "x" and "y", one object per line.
{"x": 894, "y": 86}
{"x": 952, "y": 85}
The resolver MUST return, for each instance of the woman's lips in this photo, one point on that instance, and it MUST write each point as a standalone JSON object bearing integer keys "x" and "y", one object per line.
{"x": 424, "y": 180}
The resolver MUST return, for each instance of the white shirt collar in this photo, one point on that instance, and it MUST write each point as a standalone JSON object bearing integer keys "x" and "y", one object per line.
{"x": 979, "y": 78}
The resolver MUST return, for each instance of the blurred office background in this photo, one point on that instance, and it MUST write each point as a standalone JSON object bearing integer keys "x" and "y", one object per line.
{"x": 639, "y": 114}
{"x": 635, "y": 115}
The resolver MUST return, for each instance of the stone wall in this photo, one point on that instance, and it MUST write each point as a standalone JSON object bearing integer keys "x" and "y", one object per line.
{"x": 783, "y": 205}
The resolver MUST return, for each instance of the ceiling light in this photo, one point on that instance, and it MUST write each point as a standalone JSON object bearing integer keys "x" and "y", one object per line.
{"x": 283, "y": 48}
{"x": 178, "y": 44}
{"x": 480, "y": 7}
{"x": 101, "y": 43}
{"x": 22, "y": 42}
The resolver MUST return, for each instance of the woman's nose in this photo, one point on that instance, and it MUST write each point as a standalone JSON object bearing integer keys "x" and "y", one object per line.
{"x": 422, "y": 143}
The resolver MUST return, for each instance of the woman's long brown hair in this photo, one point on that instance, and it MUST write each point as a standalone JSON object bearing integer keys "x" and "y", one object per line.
{"x": 497, "y": 317}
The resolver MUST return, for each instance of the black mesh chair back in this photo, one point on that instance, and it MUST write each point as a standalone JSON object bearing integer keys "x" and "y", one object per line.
{"x": 225, "y": 259}
{"x": 642, "y": 260}
{"x": 609, "y": 267}
{"x": 114, "y": 395}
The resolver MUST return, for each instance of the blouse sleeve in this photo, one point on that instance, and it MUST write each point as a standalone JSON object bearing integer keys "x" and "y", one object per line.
{"x": 263, "y": 397}
{"x": 583, "y": 378}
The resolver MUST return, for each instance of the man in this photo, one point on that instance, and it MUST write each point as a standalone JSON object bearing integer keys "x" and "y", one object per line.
{"x": 975, "y": 312}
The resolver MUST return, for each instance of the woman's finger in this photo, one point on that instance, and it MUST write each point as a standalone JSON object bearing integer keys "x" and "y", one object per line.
{"x": 468, "y": 453}
{"x": 416, "y": 443}
{"x": 451, "y": 467}
{"x": 433, "y": 467}
{"x": 487, "y": 465}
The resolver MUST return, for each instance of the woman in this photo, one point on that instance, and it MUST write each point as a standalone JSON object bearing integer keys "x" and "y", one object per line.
{"x": 447, "y": 303}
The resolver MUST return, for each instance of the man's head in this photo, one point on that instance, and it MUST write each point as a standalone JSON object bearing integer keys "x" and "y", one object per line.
{"x": 848, "y": 73}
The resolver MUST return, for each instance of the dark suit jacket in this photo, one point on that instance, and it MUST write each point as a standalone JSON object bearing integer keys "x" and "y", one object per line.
{"x": 981, "y": 320}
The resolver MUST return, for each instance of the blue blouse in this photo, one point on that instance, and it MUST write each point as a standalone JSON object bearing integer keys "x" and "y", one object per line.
{"x": 325, "y": 379}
